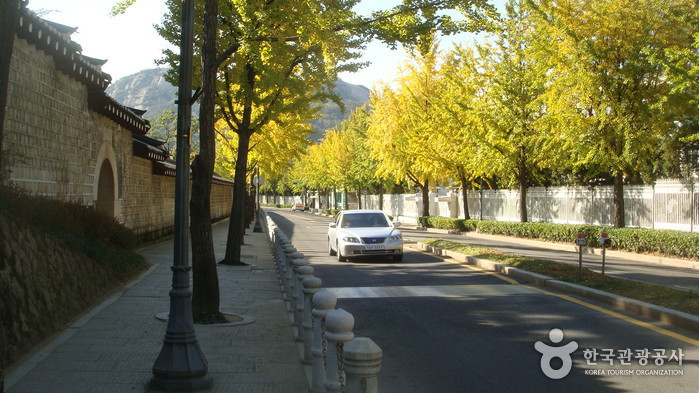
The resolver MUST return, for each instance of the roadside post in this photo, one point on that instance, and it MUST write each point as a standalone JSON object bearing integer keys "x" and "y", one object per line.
{"x": 257, "y": 181}
{"x": 604, "y": 241}
{"x": 581, "y": 242}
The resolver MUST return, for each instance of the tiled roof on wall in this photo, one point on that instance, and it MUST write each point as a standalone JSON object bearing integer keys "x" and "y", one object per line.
{"x": 54, "y": 39}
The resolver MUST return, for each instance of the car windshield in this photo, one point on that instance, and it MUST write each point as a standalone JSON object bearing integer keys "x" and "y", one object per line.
{"x": 364, "y": 220}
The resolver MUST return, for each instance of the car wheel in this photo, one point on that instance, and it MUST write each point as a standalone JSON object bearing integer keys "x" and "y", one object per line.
{"x": 331, "y": 252}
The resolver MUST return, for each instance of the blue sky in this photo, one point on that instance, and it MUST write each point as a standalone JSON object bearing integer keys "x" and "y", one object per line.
{"x": 131, "y": 44}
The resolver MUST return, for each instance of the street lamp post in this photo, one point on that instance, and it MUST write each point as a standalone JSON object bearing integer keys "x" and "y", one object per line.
{"x": 181, "y": 366}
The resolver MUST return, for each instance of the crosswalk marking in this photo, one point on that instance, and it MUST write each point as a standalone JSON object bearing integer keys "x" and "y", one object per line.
{"x": 429, "y": 291}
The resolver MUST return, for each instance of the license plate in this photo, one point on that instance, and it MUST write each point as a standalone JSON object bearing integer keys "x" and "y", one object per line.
{"x": 376, "y": 247}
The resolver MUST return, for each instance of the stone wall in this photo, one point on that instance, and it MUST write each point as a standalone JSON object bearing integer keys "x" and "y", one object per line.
{"x": 57, "y": 146}
{"x": 43, "y": 286}
{"x": 49, "y": 135}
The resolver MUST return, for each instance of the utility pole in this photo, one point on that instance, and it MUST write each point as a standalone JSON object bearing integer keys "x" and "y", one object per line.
{"x": 181, "y": 366}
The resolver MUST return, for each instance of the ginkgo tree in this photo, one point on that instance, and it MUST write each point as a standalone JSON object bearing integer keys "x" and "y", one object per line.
{"x": 271, "y": 149}
{"x": 257, "y": 55}
{"x": 461, "y": 142}
{"x": 608, "y": 90}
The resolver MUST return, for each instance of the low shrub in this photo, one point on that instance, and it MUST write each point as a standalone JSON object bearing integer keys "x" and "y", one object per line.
{"x": 331, "y": 212}
{"x": 453, "y": 224}
{"x": 82, "y": 227}
{"x": 640, "y": 240}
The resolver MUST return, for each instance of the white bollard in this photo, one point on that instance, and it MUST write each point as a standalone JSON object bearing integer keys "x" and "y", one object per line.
{"x": 283, "y": 267}
{"x": 323, "y": 302}
{"x": 292, "y": 285}
{"x": 362, "y": 365}
{"x": 302, "y": 272}
{"x": 338, "y": 330}
{"x": 311, "y": 286}
{"x": 286, "y": 268}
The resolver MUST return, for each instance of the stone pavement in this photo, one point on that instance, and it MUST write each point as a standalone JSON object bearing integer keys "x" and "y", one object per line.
{"x": 112, "y": 348}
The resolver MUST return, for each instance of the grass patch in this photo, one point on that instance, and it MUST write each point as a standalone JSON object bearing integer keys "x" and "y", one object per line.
{"x": 676, "y": 299}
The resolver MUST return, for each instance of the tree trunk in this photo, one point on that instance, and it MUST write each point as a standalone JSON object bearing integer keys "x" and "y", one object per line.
{"x": 205, "y": 289}
{"x": 236, "y": 229}
{"x": 464, "y": 197}
{"x": 619, "y": 215}
{"x": 380, "y": 197}
{"x": 523, "y": 178}
{"x": 9, "y": 15}
{"x": 426, "y": 198}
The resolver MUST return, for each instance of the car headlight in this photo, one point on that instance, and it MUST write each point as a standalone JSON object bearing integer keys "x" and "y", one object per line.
{"x": 395, "y": 238}
{"x": 350, "y": 239}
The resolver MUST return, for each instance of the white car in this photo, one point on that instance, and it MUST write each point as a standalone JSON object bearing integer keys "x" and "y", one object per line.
{"x": 356, "y": 233}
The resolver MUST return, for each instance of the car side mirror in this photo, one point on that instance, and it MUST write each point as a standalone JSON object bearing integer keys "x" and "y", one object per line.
{"x": 332, "y": 225}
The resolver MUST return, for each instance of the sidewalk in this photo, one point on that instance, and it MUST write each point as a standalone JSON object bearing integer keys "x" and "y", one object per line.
{"x": 112, "y": 348}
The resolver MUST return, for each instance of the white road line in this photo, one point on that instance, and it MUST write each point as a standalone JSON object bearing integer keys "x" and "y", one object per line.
{"x": 427, "y": 291}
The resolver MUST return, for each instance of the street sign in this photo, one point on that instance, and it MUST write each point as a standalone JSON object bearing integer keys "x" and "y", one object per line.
{"x": 604, "y": 241}
{"x": 581, "y": 241}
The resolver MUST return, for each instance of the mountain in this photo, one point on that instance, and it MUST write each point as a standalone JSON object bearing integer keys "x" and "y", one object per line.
{"x": 148, "y": 90}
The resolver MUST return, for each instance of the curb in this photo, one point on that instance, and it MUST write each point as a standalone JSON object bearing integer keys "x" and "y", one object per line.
{"x": 628, "y": 255}
{"x": 658, "y": 313}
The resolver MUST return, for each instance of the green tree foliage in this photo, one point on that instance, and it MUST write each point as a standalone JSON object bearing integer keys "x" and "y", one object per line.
{"x": 164, "y": 128}
{"x": 515, "y": 83}
{"x": 607, "y": 88}
{"x": 341, "y": 160}
{"x": 405, "y": 121}
{"x": 271, "y": 63}
{"x": 462, "y": 137}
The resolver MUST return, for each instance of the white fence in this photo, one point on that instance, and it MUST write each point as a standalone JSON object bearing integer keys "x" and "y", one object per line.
{"x": 665, "y": 205}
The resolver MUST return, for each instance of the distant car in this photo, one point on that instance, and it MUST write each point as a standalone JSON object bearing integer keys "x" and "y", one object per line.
{"x": 356, "y": 233}
{"x": 298, "y": 206}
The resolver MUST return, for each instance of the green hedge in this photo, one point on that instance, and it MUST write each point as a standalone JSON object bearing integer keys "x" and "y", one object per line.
{"x": 453, "y": 224}
{"x": 641, "y": 240}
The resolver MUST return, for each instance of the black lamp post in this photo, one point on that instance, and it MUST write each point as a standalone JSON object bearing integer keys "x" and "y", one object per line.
{"x": 181, "y": 366}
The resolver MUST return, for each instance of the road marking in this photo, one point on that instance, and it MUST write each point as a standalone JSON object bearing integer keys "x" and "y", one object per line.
{"x": 307, "y": 218}
{"x": 428, "y": 291}
{"x": 580, "y": 302}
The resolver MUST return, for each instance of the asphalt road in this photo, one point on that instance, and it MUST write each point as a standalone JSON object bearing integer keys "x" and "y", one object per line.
{"x": 445, "y": 327}
{"x": 626, "y": 266}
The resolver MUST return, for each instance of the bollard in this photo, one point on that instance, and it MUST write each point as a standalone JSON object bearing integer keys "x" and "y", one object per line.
{"x": 280, "y": 256}
{"x": 285, "y": 270}
{"x": 323, "y": 302}
{"x": 301, "y": 273}
{"x": 338, "y": 330}
{"x": 311, "y": 286}
{"x": 362, "y": 364}
{"x": 286, "y": 250}
{"x": 289, "y": 272}
{"x": 293, "y": 284}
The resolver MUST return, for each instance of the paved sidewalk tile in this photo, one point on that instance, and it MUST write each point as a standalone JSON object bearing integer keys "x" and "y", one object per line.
{"x": 114, "y": 346}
